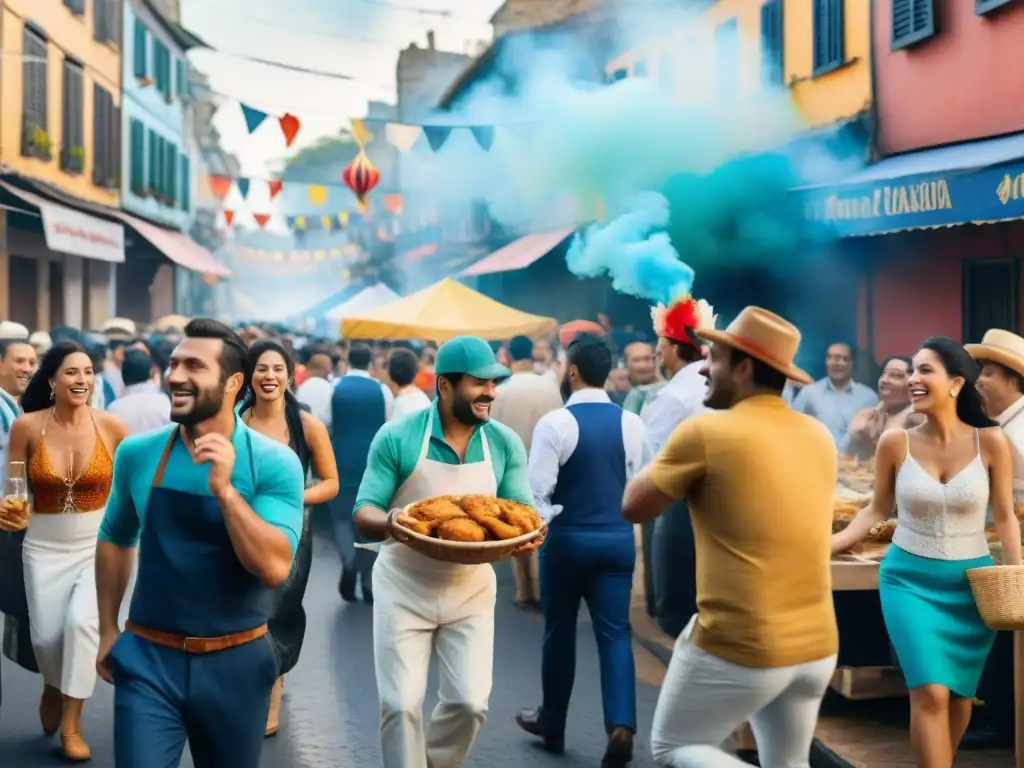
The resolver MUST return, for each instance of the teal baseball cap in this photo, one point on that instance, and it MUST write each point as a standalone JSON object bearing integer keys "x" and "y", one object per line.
{"x": 470, "y": 355}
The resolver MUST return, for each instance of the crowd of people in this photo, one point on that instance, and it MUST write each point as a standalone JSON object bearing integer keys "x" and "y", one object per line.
{"x": 183, "y": 468}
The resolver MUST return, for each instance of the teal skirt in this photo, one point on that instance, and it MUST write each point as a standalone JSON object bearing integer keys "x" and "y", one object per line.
{"x": 933, "y": 621}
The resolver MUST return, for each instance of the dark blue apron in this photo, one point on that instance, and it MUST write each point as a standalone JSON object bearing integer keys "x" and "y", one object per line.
{"x": 191, "y": 583}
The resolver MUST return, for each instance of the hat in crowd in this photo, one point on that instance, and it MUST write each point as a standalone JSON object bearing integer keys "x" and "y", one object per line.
{"x": 11, "y": 330}
{"x": 1001, "y": 347}
{"x": 119, "y": 326}
{"x": 470, "y": 355}
{"x": 40, "y": 339}
{"x": 764, "y": 336}
{"x": 681, "y": 319}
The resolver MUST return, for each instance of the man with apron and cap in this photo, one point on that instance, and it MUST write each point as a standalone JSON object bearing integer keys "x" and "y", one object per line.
{"x": 421, "y": 604}
{"x": 219, "y": 511}
{"x": 1001, "y": 384}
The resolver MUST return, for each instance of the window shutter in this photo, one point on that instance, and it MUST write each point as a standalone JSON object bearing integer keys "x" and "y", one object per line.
{"x": 114, "y": 151}
{"x": 153, "y": 178}
{"x": 66, "y": 138}
{"x": 137, "y": 167}
{"x": 912, "y": 22}
{"x": 99, "y": 137}
{"x": 180, "y": 77}
{"x": 772, "y": 42}
{"x": 78, "y": 104}
{"x": 33, "y": 72}
{"x": 982, "y": 7}
{"x": 828, "y": 34}
{"x": 139, "y": 54}
{"x": 172, "y": 174}
{"x": 115, "y": 22}
{"x": 185, "y": 185}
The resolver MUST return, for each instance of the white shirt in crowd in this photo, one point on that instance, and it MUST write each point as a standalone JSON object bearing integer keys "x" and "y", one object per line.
{"x": 411, "y": 399}
{"x": 142, "y": 407}
{"x": 9, "y": 411}
{"x": 315, "y": 393}
{"x": 1012, "y": 422}
{"x": 556, "y": 438}
{"x": 682, "y": 397}
{"x": 521, "y": 401}
{"x": 389, "y": 399}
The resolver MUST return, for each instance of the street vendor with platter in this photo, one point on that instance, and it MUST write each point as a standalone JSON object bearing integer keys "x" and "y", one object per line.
{"x": 422, "y": 604}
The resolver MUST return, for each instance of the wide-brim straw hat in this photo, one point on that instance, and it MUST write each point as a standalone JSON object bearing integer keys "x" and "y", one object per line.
{"x": 764, "y": 336}
{"x": 1001, "y": 347}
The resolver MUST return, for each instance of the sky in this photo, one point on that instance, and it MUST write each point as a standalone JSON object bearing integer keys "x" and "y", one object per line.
{"x": 359, "y": 38}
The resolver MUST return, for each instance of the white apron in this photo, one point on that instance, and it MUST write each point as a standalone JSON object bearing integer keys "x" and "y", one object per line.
{"x": 421, "y": 604}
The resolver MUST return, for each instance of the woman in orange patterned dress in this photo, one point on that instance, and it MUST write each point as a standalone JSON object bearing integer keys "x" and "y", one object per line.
{"x": 69, "y": 450}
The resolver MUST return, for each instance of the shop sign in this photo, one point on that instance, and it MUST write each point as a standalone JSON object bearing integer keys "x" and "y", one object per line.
{"x": 988, "y": 194}
{"x": 69, "y": 231}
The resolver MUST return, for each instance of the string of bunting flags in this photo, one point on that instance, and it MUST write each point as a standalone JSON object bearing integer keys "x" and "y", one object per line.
{"x": 348, "y": 253}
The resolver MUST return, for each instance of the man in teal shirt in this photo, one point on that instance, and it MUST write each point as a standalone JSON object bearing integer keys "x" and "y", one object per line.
{"x": 423, "y": 605}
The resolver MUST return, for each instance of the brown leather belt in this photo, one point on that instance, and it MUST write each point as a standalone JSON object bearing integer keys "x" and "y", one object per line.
{"x": 196, "y": 644}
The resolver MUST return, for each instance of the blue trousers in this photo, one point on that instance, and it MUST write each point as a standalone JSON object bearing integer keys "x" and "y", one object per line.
{"x": 217, "y": 701}
{"x": 596, "y": 566}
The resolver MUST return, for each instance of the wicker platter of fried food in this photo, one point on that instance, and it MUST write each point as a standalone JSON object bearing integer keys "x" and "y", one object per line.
{"x": 470, "y": 529}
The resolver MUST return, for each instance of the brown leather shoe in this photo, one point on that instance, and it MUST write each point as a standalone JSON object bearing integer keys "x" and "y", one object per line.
{"x": 619, "y": 752}
{"x": 75, "y": 748}
{"x": 274, "y": 716}
{"x": 530, "y": 721}
{"x": 51, "y": 710}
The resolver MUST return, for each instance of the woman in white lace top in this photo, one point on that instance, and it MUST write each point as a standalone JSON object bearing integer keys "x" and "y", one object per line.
{"x": 940, "y": 477}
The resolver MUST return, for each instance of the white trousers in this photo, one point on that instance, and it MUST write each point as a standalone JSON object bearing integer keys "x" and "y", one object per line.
{"x": 59, "y": 557}
{"x": 415, "y": 613}
{"x": 704, "y": 699}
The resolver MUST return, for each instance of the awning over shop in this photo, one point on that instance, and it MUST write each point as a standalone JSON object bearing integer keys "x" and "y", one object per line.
{"x": 69, "y": 231}
{"x": 366, "y": 300}
{"x": 518, "y": 254}
{"x": 979, "y": 182}
{"x": 443, "y": 311}
{"x": 178, "y": 247}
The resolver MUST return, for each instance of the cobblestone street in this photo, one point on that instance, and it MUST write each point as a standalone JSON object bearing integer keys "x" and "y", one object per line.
{"x": 329, "y": 715}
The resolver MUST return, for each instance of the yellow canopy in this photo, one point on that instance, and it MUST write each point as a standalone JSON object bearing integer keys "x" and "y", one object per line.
{"x": 443, "y": 311}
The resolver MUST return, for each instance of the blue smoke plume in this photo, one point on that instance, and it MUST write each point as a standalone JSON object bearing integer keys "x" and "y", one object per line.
{"x": 634, "y": 251}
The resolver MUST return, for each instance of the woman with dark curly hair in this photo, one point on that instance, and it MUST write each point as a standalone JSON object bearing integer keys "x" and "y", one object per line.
{"x": 68, "y": 447}
{"x": 269, "y": 407}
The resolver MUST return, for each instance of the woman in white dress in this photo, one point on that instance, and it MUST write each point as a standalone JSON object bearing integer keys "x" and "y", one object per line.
{"x": 69, "y": 451}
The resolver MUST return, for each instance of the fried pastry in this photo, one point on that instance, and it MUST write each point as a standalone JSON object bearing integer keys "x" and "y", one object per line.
{"x": 461, "y": 529}
{"x": 519, "y": 515}
{"x": 480, "y": 506}
{"x": 435, "y": 511}
{"x": 884, "y": 530}
{"x": 414, "y": 525}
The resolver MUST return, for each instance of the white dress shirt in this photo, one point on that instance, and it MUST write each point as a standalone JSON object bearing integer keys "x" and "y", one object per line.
{"x": 678, "y": 400}
{"x": 389, "y": 399}
{"x": 315, "y": 393}
{"x": 556, "y": 437}
{"x": 1012, "y": 422}
{"x": 142, "y": 407}
{"x": 412, "y": 399}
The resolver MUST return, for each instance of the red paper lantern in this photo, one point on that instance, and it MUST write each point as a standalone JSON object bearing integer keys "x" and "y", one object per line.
{"x": 361, "y": 177}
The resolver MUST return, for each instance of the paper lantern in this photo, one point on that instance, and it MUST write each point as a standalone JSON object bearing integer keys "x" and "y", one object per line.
{"x": 361, "y": 177}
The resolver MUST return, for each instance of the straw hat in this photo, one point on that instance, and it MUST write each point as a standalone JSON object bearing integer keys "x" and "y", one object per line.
{"x": 764, "y": 336}
{"x": 1000, "y": 347}
{"x": 11, "y": 330}
{"x": 118, "y": 326}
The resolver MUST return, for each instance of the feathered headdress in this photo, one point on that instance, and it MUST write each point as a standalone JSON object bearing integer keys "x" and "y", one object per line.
{"x": 680, "y": 319}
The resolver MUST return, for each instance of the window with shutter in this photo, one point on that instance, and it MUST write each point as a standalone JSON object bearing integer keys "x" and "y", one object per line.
{"x": 36, "y": 141}
{"x": 140, "y": 54}
{"x": 137, "y": 166}
{"x": 180, "y": 77}
{"x": 171, "y": 164}
{"x": 982, "y": 7}
{"x": 99, "y": 138}
{"x": 727, "y": 52}
{"x": 772, "y": 39}
{"x": 185, "y": 196}
{"x": 72, "y": 152}
{"x": 100, "y": 27}
{"x": 153, "y": 177}
{"x": 77, "y": 7}
{"x": 912, "y": 22}
{"x": 114, "y": 151}
{"x": 829, "y": 29}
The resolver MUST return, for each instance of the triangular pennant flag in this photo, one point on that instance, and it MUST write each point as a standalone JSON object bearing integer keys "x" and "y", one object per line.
{"x": 290, "y": 126}
{"x": 317, "y": 194}
{"x": 327, "y": 222}
{"x": 243, "y": 186}
{"x": 437, "y": 135}
{"x": 220, "y": 186}
{"x": 261, "y": 219}
{"x": 253, "y": 117}
{"x": 361, "y": 133}
{"x": 484, "y": 135}
{"x": 229, "y": 217}
{"x": 401, "y": 137}
{"x": 290, "y": 221}
{"x": 274, "y": 187}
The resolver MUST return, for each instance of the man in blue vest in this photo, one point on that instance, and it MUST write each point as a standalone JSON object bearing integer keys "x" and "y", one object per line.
{"x": 359, "y": 407}
{"x": 580, "y": 461}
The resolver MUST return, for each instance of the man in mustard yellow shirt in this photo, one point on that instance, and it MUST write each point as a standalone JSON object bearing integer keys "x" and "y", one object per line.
{"x": 759, "y": 478}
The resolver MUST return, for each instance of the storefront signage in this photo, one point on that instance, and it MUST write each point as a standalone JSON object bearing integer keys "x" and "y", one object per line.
{"x": 68, "y": 231}
{"x": 987, "y": 194}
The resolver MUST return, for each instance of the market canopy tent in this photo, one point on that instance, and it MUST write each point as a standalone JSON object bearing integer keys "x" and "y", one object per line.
{"x": 443, "y": 311}
{"x": 365, "y": 301}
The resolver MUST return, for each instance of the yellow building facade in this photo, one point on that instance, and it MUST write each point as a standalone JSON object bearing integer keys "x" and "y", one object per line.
{"x": 817, "y": 50}
{"x": 60, "y": 87}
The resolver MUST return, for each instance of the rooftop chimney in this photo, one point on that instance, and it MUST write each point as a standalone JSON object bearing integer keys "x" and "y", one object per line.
{"x": 430, "y": 39}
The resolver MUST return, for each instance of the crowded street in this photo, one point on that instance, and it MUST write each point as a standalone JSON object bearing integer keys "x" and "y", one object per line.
{"x": 330, "y": 711}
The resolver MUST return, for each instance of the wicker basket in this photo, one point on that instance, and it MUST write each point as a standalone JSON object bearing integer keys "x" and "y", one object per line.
{"x": 999, "y": 594}
{"x": 465, "y": 552}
